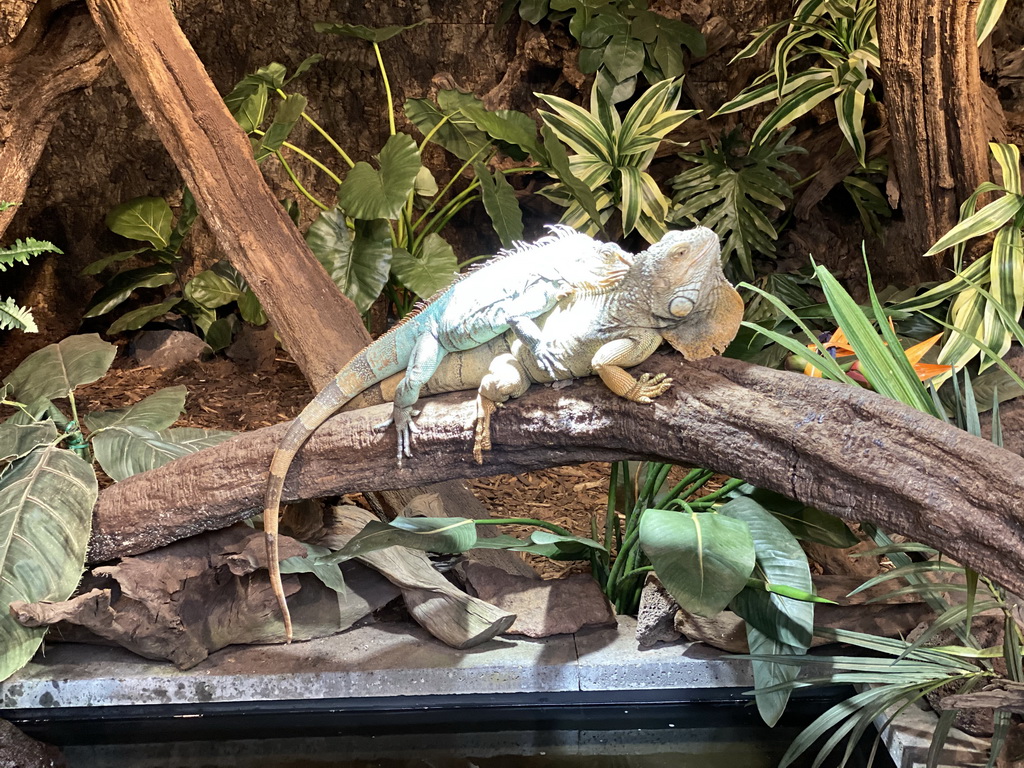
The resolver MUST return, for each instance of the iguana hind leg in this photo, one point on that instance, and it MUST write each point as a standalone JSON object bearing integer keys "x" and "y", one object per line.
{"x": 610, "y": 361}
{"x": 505, "y": 379}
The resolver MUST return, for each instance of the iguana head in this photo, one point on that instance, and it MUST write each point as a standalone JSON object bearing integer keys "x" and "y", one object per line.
{"x": 690, "y": 302}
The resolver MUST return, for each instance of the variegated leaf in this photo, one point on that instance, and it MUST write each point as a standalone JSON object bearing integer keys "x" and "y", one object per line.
{"x": 576, "y": 127}
{"x": 1008, "y": 157}
{"x": 992, "y": 216}
{"x": 989, "y": 12}
{"x": 793, "y": 106}
{"x": 850, "y": 111}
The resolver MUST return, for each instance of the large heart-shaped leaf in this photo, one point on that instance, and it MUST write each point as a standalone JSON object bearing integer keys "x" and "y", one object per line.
{"x": 428, "y": 273}
{"x": 55, "y": 370}
{"x": 129, "y": 450}
{"x": 158, "y": 411}
{"x": 368, "y": 193}
{"x": 429, "y": 534}
{"x": 144, "y": 218}
{"x": 449, "y": 123}
{"x": 46, "y": 502}
{"x": 703, "y": 559}
{"x": 359, "y": 268}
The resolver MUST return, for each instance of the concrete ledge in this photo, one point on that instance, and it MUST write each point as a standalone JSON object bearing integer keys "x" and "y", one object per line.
{"x": 372, "y": 661}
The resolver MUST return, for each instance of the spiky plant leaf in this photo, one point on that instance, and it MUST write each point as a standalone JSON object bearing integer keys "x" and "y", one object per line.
{"x": 23, "y": 250}
{"x": 19, "y": 318}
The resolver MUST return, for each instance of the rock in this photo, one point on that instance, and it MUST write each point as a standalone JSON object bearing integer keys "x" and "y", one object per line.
{"x": 168, "y": 349}
{"x": 656, "y": 617}
{"x": 543, "y": 608}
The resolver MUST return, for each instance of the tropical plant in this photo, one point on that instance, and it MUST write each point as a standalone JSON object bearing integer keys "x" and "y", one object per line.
{"x": 988, "y": 294}
{"x": 835, "y": 45}
{"x": 11, "y": 315}
{"x": 728, "y": 189}
{"x": 47, "y": 484}
{"x": 149, "y": 220}
{"x": 863, "y": 187}
{"x": 619, "y": 40}
{"x": 609, "y": 170}
{"x": 384, "y": 233}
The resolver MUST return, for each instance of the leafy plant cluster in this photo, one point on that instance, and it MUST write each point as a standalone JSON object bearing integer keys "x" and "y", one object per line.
{"x": 47, "y": 482}
{"x": 149, "y": 220}
{"x": 619, "y": 40}
{"x": 12, "y": 315}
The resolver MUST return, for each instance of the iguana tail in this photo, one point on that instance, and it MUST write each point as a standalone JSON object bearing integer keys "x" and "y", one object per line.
{"x": 358, "y": 375}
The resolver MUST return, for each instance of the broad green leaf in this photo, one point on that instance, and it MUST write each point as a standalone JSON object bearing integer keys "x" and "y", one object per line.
{"x": 370, "y": 34}
{"x": 221, "y": 332}
{"x": 581, "y": 193}
{"x": 57, "y": 369}
{"x": 359, "y": 269}
{"x": 124, "y": 451}
{"x": 122, "y": 285}
{"x": 501, "y": 205}
{"x": 132, "y": 321}
{"x": 46, "y": 501}
{"x": 247, "y": 102}
{"x": 304, "y": 66}
{"x": 158, "y": 411}
{"x": 806, "y": 523}
{"x": 702, "y": 559}
{"x": 370, "y": 194}
{"x": 250, "y": 309}
{"x": 452, "y": 123}
{"x": 18, "y": 440}
{"x": 513, "y": 129}
{"x": 214, "y": 288}
{"x": 1008, "y": 158}
{"x": 577, "y": 127}
{"x": 431, "y": 271}
{"x": 795, "y": 105}
{"x": 429, "y": 534}
{"x": 545, "y": 544}
{"x": 144, "y": 218}
{"x": 624, "y": 56}
{"x": 780, "y": 560}
{"x": 328, "y": 573}
{"x": 289, "y": 112}
{"x": 992, "y": 216}
{"x": 19, "y": 318}
{"x": 989, "y": 12}
{"x": 95, "y": 267}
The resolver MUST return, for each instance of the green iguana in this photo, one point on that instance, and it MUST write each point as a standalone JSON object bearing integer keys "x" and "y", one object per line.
{"x": 674, "y": 291}
{"x": 505, "y": 294}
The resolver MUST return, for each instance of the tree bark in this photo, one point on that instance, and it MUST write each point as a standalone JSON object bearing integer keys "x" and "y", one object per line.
{"x": 844, "y": 450}
{"x": 56, "y": 53}
{"x": 213, "y": 154}
{"x": 934, "y": 101}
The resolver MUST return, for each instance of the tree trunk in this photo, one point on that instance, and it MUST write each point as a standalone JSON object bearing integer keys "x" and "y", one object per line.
{"x": 56, "y": 53}
{"x": 934, "y": 101}
{"x": 844, "y": 450}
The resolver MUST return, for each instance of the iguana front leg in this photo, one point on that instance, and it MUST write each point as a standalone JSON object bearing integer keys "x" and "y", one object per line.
{"x": 610, "y": 360}
{"x": 423, "y": 361}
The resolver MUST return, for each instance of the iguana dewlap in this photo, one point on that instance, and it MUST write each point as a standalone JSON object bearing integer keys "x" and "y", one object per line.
{"x": 505, "y": 294}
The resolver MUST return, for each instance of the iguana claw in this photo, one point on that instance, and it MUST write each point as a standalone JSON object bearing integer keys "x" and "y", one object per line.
{"x": 649, "y": 387}
{"x": 402, "y": 418}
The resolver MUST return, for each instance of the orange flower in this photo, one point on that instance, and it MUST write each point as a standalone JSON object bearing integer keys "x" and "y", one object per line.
{"x": 925, "y": 371}
{"x": 836, "y": 344}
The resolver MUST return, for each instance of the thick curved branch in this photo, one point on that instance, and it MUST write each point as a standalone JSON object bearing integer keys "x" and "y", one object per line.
{"x": 847, "y": 451}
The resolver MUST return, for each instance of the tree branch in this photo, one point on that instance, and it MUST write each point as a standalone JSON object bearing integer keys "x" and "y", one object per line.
{"x": 847, "y": 451}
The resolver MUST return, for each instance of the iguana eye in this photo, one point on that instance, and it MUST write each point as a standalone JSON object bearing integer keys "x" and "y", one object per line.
{"x": 680, "y": 306}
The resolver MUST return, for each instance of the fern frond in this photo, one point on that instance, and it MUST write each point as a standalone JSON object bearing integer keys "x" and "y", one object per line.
{"x": 19, "y": 318}
{"x": 23, "y": 250}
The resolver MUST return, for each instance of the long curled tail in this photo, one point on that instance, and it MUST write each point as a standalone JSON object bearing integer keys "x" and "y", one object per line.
{"x": 322, "y": 407}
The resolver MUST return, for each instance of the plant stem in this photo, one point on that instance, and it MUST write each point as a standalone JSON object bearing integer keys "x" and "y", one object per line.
{"x": 728, "y": 487}
{"x": 298, "y": 184}
{"x": 337, "y": 148}
{"x": 387, "y": 87}
{"x": 308, "y": 157}
{"x": 524, "y": 521}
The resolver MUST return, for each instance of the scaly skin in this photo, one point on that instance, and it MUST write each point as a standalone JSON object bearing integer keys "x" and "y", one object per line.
{"x": 505, "y": 294}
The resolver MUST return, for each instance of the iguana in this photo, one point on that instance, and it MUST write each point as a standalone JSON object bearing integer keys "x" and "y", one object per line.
{"x": 504, "y": 294}
{"x": 674, "y": 291}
